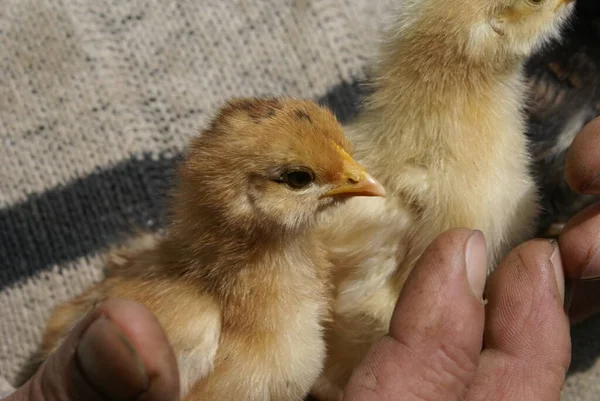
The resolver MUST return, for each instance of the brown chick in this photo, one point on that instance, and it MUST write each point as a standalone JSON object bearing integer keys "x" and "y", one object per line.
{"x": 239, "y": 281}
{"x": 444, "y": 132}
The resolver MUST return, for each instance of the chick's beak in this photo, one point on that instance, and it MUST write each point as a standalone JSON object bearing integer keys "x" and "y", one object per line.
{"x": 563, "y": 3}
{"x": 354, "y": 180}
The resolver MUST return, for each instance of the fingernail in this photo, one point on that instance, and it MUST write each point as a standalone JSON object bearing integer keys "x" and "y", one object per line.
{"x": 110, "y": 363}
{"x": 476, "y": 263}
{"x": 559, "y": 274}
{"x": 593, "y": 187}
{"x": 592, "y": 269}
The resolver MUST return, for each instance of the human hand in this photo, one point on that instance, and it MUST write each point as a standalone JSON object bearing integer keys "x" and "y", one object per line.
{"x": 117, "y": 352}
{"x": 580, "y": 239}
{"x": 435, "y": 347}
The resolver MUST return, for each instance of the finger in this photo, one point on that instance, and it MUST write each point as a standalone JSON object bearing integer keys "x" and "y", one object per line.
{"x": 580, "y": 248}
{"x": 436, "y": 332}
{"x": 117, "y": 352}
{"x": 579, "y": 244}
{"x": 527, "y": 342}
{"x": 582, "y": 168}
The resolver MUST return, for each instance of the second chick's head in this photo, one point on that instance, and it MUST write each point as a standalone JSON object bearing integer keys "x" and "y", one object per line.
{"x": 483, "y": 29}
{"x": 271, "y": 165}
{"x": 521, "y": 26}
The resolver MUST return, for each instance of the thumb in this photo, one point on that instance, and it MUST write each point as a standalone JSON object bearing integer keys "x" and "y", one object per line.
{"x": 117, "y": 352}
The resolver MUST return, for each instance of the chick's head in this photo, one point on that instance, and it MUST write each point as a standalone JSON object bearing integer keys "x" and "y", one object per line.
{"x": 272, "y": 164}
{"x": 481, "y": 30}
{"x": 521, "y": 26}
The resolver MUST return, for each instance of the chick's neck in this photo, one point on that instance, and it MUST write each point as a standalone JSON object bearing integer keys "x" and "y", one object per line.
{"x": 425, "y": 89}
{"x": 436, "y": 66}
{"x": 216, "y": 253}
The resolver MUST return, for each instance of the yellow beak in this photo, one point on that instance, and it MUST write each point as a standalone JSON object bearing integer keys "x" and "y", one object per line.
{"x": 563, "y": 2}
{"x": 354, "y": 180}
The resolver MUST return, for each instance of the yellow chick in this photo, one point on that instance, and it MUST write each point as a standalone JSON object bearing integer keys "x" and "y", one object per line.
{"x": 239, "y": 281}
{"x": 444, "y": 132}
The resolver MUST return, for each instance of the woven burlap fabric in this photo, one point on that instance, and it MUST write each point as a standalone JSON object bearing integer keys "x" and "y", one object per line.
{"x": 97, "y": 100}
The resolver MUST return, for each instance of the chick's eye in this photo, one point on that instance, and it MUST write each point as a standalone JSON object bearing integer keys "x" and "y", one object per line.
{"x": 298, "y": 179}
{"x": 536, "y": 2}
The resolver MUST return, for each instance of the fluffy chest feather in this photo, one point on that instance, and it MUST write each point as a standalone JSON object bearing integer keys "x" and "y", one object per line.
{"x": 272, "y": 332}
{"x": 288, "y": 312}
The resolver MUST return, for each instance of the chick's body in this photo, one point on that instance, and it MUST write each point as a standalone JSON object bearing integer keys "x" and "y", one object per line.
{"x": 239, "y": 282}
{"x": 444, "y": 132}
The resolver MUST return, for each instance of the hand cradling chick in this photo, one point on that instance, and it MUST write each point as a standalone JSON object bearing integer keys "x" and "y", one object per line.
{"x": 444, "y": 131}
{"x": 239, "y": 281}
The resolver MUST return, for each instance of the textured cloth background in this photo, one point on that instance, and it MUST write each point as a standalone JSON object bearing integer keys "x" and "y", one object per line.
{"x": 97, "y": 100}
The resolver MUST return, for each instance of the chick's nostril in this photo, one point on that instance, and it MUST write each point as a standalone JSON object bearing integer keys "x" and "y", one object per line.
{"x": 352, "y": 180}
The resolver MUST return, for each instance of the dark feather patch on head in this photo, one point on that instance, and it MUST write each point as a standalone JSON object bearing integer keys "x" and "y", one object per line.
{"x": 257, "y": 109}
{"x": 302, "y": 115}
